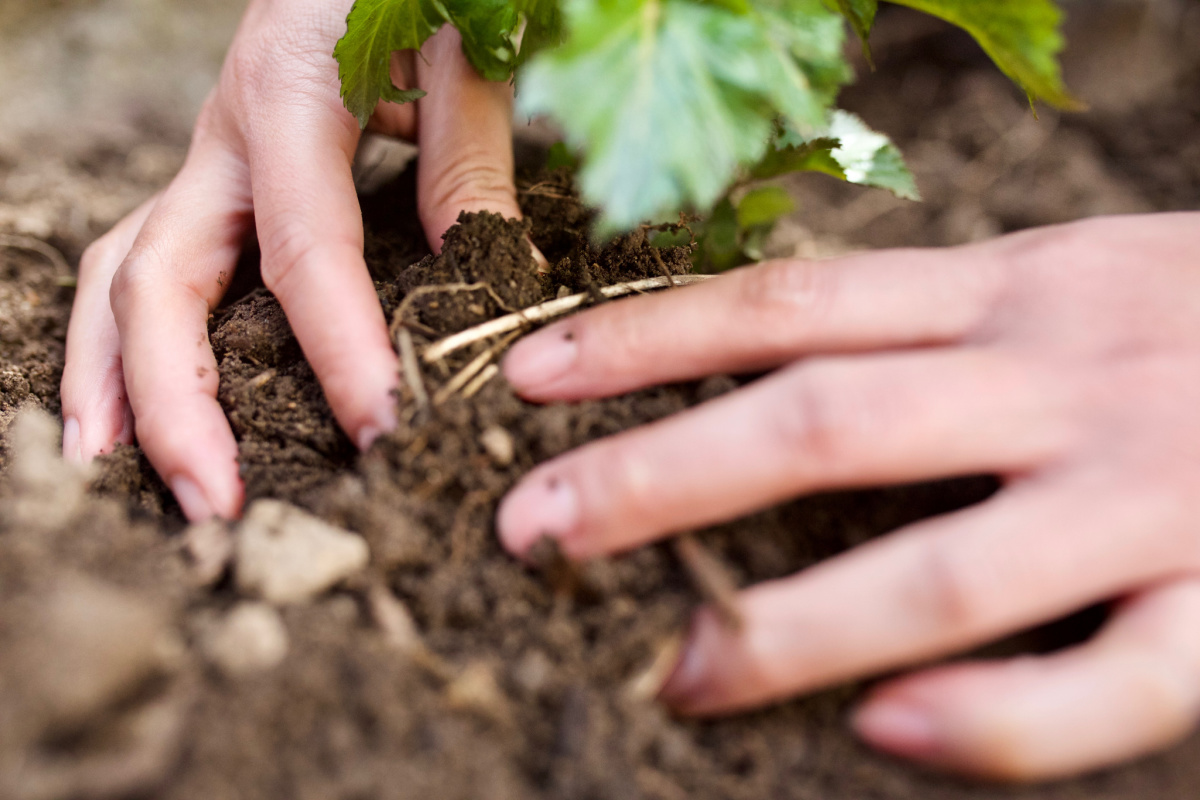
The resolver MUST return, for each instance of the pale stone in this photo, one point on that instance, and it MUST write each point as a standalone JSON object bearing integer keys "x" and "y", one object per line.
{"x": 499, "y": 445}
{"x": 209, "y": 546}
{"x": 285, "y": 555}
{"x": 250, "y": 640}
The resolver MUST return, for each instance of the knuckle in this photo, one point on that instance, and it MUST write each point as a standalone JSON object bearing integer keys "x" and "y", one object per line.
{"x": 808, "y": 424}
{"x": 781, "y": 295}
{"x": 1169, "y": 692}
{"x": 473, "y": 182}
{"x": 949, "y": 592}
{"x": 286, "y": 244}
{"x": 624, "y": 477}
{"x": 100, "y": 252}
{"x": 133, "y": 282}
{"x": 614, "y": 342}
{"x": 823, "y": 424}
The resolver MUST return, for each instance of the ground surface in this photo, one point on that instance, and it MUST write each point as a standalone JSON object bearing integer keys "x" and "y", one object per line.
{"x": 135, "y": 661}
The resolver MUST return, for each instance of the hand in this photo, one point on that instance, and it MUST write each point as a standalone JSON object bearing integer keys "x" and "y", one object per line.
{"x": 1066, "y": 360}
{"x": 272, "y": 149}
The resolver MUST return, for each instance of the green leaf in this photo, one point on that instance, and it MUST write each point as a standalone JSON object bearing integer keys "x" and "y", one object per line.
{"x": 560, "y": 157}
{"x": 807, "y": 33}
{"x": 848, "y": 150}
{"x": 802, "y": 156}
{"x": 720, "y": 241}
{"x": 487, "y": 28}
{"x": 374, "y": 30}
{"x": 869, "y": 158}
{"x": 670, "y": 98}
{"x": 763, "y": 207}
{"x": 543, "y": 26}
{"x": 1022, "y": 36}
{"x": 861, "y": 14}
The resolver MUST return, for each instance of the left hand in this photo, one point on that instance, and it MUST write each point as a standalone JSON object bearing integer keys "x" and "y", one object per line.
{"x": 1066, "y": 360}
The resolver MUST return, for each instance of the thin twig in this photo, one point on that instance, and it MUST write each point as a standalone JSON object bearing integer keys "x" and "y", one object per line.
{"x": 31, "y": 245}
{"x": 646, "y": 685}
{"x": 481, "y": 380}
{"x": 468, "y": 372}
{"x": 538, "y": 190}
{"x": 546, "y": 311}
{"x": 412, "y": 370}
{"x": 712, "y": 579}
{"x": 662, "y": 266}
{"x": 449, "y": 288}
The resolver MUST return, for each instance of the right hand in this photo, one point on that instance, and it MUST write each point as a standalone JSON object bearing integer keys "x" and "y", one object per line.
{"x": 272, "y": 149}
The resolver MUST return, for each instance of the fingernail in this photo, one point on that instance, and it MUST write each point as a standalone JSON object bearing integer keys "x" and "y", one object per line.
{"x": 369, "y": 433}
{"x": 538, "y": 508}
{"x": 687, "y": 682}
{"x": 367, "y": 436}
{"x": 541, "y": 359}
{"x": 72, "y": 441}
{"x": 898, "y": 728}
{"x": 539, "y": 258}
{"x": 192, "y": 500}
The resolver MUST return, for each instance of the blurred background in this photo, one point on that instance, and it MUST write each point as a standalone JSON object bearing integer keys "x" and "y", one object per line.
{"x": 97, "y": 98}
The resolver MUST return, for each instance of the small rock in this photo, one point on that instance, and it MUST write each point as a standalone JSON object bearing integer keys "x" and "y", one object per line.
{"x": 86, "y": 646}
{"x": 209, "y": 547}
{"x": 250, "y": 640}
{"x": 499, "y": 445}
{"x": 476, "y": 691}
{"x": 285, "y": 555}
{"x": 394, "y": 619}
{"x": 47, "y": 490}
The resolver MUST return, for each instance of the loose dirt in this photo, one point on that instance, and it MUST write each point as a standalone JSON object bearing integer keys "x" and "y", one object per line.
{"x": 131, "y": 665}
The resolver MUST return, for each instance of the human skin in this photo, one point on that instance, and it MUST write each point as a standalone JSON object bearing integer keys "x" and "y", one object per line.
{"x": 271, "y": 153}
{"x": 1064, "y": 360}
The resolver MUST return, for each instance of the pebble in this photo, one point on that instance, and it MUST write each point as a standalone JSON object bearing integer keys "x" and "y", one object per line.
{"x": 284, "y": 555}
{"x": 86, "y": 645}
{"x": 209, "y": 546}
{"x": 251, "y": 639}
{"x": 499, "y": 445}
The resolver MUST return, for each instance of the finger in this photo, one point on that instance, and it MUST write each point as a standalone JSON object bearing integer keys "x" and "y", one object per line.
{"x": 834, "y": 423}
{"x": 311, "y": 234}
{"x": 1132, "y": 690}
{"x": 161, "y": 297}
{"x": 96, "y": 412}
{"x": 465, "y": 130}
{"x": 758, "y": 318}
{"x": 936, "y": 588}
{"x": 398, "y": 120}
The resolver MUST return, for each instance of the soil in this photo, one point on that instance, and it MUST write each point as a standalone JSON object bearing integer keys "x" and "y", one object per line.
{"x": 447, "y": 669}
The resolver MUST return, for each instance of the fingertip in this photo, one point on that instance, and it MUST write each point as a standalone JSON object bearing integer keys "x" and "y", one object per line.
{"x": 539, "y": 258}
{"x": 192, "y": 499}
{"x": 537, "y": 362}
{"x": 693, "y": 687}
{"x": 384, "y": 422}
{"x": 217, "y": 498}
{"x": 542, "y": 506}
{"x": 901, "y": 728}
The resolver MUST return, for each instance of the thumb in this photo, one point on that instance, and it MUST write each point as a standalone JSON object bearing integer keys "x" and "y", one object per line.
{"x": 465, "y": 136}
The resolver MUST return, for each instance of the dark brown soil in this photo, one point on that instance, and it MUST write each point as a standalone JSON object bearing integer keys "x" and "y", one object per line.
{"x": 521, "y": 683}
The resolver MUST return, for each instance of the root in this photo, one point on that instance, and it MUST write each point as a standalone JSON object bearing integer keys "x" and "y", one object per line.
{"x": 468, "y": 373}
{"x": 30, "y": 245}
{"x": 547, "y": 311}
{"x": 540, "y": 190}
{"x": 412, "y": 370}
{"x": 646, "y": 685}
{"x": 449, "y": 288}
{"x": 475, "y": 386}
{"x": 711, "y": 578}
